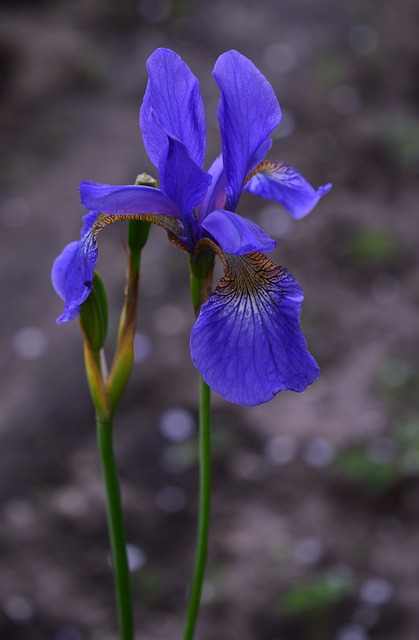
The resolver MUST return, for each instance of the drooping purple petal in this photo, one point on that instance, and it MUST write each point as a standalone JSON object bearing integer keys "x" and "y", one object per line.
{"x": 172, "y": 107}
{"x": 72, "y": 275}
{"x": 247, "y": 342}
{"x": 89, "y": 220}
{"x": 125, "y": 199}
{"x": 235, "y": 234}
{"x": 73, "y": 270}
{"x": 248, "y": 112}
{"x": 282, "y": 183}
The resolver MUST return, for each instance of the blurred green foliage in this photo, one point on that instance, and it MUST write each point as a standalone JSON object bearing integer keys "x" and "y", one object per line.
{"x": 398, "y": 381}
{"x": 369, "y": 247}
{"x": 151, "y": 586}
{"x": 379, "y": 464}
{"x": 356, "y": 465}
{"x": 183, "y": 455}
{"x": 318, "y": 593}
{"x": 407, "y": 436}
{"x": 400, "y": 134}
{"x": 328, "y": 70}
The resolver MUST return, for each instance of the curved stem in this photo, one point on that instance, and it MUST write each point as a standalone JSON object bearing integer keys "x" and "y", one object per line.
{"x": 204, "y": 509}
{"x": 116, "y": 529}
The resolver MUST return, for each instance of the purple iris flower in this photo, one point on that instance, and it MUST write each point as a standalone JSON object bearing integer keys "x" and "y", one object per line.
{"x": 246, "y": 341}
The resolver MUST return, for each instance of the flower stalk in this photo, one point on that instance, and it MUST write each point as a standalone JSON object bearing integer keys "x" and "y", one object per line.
{"x": 105, "y": 410}
{"x": 200, "y": 285}
{"x": 106, "y": 391}
{"x": 105, "y": 405}
{"x": 204, "y": 511}
{"x": 104, "y": 433}
{"x": 138, "y": 232}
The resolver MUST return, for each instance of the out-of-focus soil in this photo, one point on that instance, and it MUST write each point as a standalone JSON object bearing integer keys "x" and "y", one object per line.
{"x": 315, "y": 528}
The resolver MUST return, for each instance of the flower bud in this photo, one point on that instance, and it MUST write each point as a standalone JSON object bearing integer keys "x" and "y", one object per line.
{"x": 94, "y": 315}
{"x": 145, "y": 180}
{"x": 138, "y": 231}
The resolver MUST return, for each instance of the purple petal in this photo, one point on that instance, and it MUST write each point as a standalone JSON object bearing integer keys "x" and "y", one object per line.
{"x": 125, "y": 199}
{"x": 72, "y": 275}
{"x": 172, "y": 120}
{"x": 237, "y": 235}
{"x": 248, "y": 112}
{"x": 185, "y": 183}
{"x": 172, "y": 108}
{"x": 260, "y": 154}
{"x": 89, "y": 220}
{"x": 172, "y": 116}
{"x": 282, "y": 183}
{"x": 247, "y": 342}
{"x": 216, "y": 195}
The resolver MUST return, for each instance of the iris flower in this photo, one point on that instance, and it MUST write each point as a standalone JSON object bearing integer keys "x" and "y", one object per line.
{"x": 246, "y": 341}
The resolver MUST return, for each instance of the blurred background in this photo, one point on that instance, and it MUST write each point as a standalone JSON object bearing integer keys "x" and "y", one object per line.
{"x": 315, "y": 530}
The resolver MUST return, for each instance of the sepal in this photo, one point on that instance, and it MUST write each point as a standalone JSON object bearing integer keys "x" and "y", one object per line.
{"x": 247, "y": 342}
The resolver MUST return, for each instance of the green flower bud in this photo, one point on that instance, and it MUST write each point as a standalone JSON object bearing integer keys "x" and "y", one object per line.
{"x": 138, "y": 231}
{"x": 146, "y": 180}
{"x": 94, "y": 315}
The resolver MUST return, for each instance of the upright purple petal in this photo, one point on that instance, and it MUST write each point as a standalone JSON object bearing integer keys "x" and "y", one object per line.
{"x": 247, "y": 341}
{"x": 216, "y": 196}
{"x": 260, "y": 154}
{"x": 237, "y": 235}
{"x": 279, "y": 181}
{"x": 172, "y": 121}
{"x": 172, "y": 107}
{"x": 248, "y": 112}
{"x": 185, "y": 183}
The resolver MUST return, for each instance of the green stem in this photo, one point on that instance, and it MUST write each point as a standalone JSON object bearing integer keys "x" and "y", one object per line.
{"x": 116, "y": 529}
{"x": 204, "y": 510}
